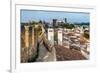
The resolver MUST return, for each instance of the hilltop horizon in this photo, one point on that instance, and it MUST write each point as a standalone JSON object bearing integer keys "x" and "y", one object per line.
{"x": 72, "y": 17}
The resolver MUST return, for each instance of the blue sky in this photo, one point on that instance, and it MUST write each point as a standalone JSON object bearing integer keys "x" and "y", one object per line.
{"x": 72, "y": 17}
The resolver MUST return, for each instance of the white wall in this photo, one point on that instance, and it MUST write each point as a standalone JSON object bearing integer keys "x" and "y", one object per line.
{"x": 51, "y": 35}
{"x": 5, "y": 34}
{"x": 60, "y": 36}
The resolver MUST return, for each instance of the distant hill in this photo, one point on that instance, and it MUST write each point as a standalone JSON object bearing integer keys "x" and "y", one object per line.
{"x": 82, "y": 23}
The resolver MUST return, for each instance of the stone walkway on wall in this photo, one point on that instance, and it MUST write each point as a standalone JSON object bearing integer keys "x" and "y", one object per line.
{"x": 45, "y": 55}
